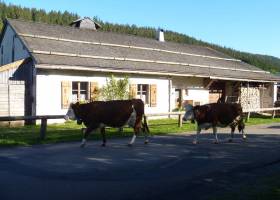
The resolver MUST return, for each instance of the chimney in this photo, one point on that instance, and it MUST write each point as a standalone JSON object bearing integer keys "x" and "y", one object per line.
{"x": 160, "y": 35}
{"x": 85, "y": 23}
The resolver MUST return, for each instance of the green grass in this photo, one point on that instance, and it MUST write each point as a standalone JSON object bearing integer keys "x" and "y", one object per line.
{"x": 262, "y": 120}
{"x": 70, "y": 131}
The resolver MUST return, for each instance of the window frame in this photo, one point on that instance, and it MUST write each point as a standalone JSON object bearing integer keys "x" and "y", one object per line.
{"x": 140, "y": 93}
{"x": 79, "y": 91}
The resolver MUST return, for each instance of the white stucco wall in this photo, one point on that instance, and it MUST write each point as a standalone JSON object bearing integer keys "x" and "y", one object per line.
{"x": 48, "y": 92}
{"x": 194, "y": 87}
{"x": 9, "y": 42}
{"x": 199, "y": 96}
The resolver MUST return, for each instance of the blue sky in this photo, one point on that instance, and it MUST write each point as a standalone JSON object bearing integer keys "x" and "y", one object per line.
{"x": 246, "y": 25}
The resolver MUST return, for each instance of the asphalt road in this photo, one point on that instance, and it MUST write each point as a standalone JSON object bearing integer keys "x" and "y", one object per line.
{"x": 169, "y": 167}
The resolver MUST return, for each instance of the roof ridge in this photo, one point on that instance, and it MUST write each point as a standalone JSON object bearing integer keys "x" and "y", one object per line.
{"x": 116, "y": 33}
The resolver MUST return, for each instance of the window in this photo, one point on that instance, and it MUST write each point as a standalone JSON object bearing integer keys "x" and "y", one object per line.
{"x": 143, "y": 93}
{"x": 148, "y": 93}
{"x": 80, "y": 91}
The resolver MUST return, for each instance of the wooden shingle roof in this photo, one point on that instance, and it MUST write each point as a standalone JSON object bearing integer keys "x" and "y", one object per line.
{"x": 53, "y": 45}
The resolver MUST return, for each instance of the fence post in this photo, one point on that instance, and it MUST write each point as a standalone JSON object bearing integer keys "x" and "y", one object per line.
{"x": 43, "y": 128}
{"x": 248, "y": 117}
{"x": 180, "y": 120}
{"x": 120, "y": 130}
{"x": 273, "y": 114}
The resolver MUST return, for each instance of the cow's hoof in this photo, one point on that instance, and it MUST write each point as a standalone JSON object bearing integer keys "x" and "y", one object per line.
{"x": 230, "y": 140}
{"x": 244, "y": 137}
{"x": 130, "y": 145}
{"x": 82, "y": 145}
{"x": 103, "y": 145}
{"x": 216, "y": 142}
{"x": 195, "y": 142}
{"x": 146, "y": 142}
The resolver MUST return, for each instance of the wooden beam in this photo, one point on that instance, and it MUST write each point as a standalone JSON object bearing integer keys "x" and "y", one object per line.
{"x": 17, "y": 118}
{"x": 12, "y": 65}
{"x": 208, "y": 83}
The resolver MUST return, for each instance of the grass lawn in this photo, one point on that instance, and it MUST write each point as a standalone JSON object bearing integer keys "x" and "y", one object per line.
{"x": 70, "y": 131}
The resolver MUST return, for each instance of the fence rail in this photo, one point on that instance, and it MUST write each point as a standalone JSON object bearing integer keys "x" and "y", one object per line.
{"x": 256, "y": 110}
{"x": 44, "y": 118}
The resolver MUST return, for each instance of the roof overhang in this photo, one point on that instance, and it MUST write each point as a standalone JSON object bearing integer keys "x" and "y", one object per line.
{"x": 161, "y": 73}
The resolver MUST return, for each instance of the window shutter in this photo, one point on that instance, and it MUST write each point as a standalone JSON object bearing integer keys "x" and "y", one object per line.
{"x": 94, "y": 91}
{"x": 65, "y": 94}
{"x": 132, "y": 91}
{"x": 153, "y": 95}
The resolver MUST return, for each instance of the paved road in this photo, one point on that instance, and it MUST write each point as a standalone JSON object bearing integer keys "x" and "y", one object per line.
{"x": 170, "y": 167}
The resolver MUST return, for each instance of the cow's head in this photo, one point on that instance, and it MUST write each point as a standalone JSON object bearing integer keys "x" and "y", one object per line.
{"x": 73, "y": 113}
{"x": 189, "y": 115}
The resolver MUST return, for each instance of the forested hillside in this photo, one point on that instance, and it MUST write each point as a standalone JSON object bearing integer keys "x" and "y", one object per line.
{"x": 265, "y": 62}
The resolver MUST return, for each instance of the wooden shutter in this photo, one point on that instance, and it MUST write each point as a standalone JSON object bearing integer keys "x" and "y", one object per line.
{"x": 153, "y": 95}
{"x": 66, "y": 88}
{"x": 94, "y": 91}
{"x": 132, "y": 91}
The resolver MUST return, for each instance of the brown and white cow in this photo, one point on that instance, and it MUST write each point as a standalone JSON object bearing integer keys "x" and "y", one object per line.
{"x": 216, "y": 115}
{"x": 117, "y": 113}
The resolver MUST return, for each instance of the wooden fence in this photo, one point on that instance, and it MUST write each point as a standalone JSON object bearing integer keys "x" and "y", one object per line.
{"x": 43, "y": 118}
{"x": 259, "y": 110}
{"x": 180, "y": 115}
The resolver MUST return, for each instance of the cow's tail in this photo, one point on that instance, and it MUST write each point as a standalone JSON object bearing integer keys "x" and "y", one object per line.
{"x": 145, "y": 125}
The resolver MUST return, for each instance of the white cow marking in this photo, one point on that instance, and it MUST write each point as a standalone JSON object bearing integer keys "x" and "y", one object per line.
{"x": 132, "y": 118}
{"x": 83, "y": 142}
{"x": 133, "y": 139}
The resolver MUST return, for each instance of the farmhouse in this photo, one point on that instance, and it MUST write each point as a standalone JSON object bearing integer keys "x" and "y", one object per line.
{"x": 60, "y": 65}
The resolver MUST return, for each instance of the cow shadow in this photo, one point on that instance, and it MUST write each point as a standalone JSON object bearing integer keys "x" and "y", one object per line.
{"x": 168, "y": 155}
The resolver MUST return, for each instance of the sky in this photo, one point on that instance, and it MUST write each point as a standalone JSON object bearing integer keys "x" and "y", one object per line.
{"x": 246, "y": 25}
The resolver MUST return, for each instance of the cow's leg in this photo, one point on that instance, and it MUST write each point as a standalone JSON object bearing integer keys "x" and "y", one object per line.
{"x": 137, "y": 128}
{"x": 146, "y": 130}
{"x": 145, "y": 135}
{"x": 241, "y": 127}
{"x": 198, "y": 130}
{"x": 86, "y": 134}
{"x": 232, "y": 132}
{"x": 215, "y": 134}
{"x": 102, "y": 130}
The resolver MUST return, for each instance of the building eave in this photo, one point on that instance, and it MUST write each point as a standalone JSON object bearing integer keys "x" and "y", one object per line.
{"x": 167, "y": 74}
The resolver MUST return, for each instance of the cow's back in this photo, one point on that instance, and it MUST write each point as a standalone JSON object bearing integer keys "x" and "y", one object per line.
{"x": 111, "y": 113}
{"x": 218, "y": 113}
{"x": 226, "y": 113}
